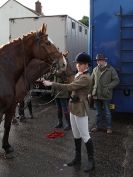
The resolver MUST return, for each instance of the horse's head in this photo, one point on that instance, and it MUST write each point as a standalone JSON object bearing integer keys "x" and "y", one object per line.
{"x": 44, "y": 49}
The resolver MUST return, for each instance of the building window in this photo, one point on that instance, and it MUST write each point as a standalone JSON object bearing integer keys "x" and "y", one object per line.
{"x": 73, "y": 25}
{"x": 86, "y": 31}
{"x": 80, "y": 28}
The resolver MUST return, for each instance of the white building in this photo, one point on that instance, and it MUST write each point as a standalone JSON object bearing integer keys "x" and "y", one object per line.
{"x": 67, "y": 33}
{"x": 12, "y": 9}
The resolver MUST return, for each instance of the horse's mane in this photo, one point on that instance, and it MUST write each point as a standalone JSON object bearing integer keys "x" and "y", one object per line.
{"x": 18, "y": 40}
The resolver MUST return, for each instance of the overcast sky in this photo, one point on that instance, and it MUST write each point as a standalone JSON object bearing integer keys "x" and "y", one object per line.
{"x": 74, "y": 8}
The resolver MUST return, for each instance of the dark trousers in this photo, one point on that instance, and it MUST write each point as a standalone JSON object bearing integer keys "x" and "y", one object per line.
{"x": 62, "y": 107}
{"x": 22, "y": 107}
{"x": 103, "y": 112}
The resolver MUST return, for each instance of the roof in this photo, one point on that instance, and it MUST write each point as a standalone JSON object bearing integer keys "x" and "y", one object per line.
{"x": 21, "y": 5}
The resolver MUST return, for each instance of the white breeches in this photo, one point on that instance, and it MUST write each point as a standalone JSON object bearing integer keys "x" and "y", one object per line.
{"x": 80, "y": 127}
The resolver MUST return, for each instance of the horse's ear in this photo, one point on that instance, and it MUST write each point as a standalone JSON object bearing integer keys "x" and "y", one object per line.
{"x": 65, "y": 54}
{"x": 44, "y": 28}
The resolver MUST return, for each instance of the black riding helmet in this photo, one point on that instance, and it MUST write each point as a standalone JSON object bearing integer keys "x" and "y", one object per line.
{"x": 83, "y": 58}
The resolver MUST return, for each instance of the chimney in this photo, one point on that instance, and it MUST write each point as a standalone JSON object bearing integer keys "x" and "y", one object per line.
{"x": 38, "y": 7}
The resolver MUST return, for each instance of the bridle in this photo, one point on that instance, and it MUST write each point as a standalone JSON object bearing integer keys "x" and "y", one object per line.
{"x": 50, "y": 62}
{"x": 48, "y": 59}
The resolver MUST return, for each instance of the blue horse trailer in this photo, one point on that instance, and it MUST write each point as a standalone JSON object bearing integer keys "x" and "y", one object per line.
{"x": 111, "y": 33}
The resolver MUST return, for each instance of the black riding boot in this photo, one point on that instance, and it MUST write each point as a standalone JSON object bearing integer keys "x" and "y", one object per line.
{"x": 90, "y": 153}
{"x": 77, "y": 158}
{"x": 60, "y": 122}
{"x": 68, "y": 124}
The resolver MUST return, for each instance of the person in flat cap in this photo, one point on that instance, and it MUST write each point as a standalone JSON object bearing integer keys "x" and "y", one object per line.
{"x": 78, "y": 105}
{"x": 104, "y": 80}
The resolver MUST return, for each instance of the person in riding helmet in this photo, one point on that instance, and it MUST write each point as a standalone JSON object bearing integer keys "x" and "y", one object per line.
{"x": 78, "y": 105}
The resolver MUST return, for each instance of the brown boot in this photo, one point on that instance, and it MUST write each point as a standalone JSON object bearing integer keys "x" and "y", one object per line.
{"x": 94, "y": 129}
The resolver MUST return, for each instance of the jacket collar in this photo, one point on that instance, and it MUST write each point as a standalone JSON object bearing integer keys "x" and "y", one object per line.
{"x": 80, "y": 73}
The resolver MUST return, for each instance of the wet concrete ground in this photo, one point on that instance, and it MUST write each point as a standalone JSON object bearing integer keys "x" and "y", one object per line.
{"x": 38, "y": 156}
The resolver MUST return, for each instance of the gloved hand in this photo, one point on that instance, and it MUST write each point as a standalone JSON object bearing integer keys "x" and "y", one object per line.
{"x": 47, "y": 83}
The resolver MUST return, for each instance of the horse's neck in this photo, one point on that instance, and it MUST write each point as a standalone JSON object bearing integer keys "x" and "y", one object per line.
{"x": 15, "y": 58}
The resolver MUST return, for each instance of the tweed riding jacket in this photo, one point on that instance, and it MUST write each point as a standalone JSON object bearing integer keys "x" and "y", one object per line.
{"x": 80, "y": 88}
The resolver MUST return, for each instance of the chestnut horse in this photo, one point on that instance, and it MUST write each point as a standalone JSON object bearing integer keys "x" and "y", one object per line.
{"x": 15, "y": 59}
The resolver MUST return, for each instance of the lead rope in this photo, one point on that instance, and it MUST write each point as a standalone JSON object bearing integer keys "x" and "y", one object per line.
{"x": 52, "y": 99}
{"x": 29, "y": 93}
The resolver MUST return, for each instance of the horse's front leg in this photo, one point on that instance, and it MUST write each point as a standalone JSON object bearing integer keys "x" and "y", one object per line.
{"x": 7, "y": 126}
